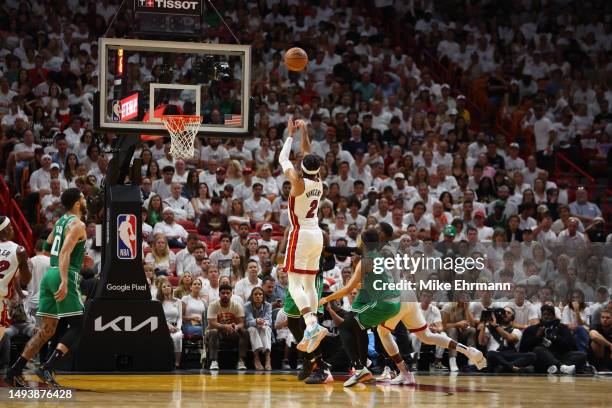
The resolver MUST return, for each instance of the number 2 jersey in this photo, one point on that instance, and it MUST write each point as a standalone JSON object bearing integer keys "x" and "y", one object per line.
{"x": 8, "y": 270}
{"x": 305, "y": 239}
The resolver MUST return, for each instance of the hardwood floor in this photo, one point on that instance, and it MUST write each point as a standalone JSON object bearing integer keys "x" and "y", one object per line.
{"x": 272, "y": 390}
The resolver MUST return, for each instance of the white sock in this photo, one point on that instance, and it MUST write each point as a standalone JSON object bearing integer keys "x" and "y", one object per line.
{"x": 310, "y": 319}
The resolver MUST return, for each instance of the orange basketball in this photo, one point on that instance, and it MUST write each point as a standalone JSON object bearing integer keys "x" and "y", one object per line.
{"x": 296, "y": 59}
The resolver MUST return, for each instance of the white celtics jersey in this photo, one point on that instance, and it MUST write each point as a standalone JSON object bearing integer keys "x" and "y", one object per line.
{"x": 303, "y": 209}
{"x": 8, "y": 268}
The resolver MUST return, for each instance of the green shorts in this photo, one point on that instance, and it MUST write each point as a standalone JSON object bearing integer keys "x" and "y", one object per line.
{"x": 374, "y": 313}
{"x": 72, "y": 305}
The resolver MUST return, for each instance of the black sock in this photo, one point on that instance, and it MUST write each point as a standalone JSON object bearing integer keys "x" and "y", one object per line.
{"x": 57, "y": 354}
{"x": 19, "y": 365}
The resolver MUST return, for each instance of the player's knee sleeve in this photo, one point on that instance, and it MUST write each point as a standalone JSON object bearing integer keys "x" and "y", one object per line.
{"x": 438, "y": 339}
{"x": 387, "y": 340}
{"x": 74, "y": 330}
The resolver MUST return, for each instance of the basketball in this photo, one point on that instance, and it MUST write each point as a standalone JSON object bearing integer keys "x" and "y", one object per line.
{"x": 296, "y": 59}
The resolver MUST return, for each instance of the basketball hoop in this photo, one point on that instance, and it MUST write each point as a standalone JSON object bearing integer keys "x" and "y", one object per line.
{"x": 182, "y": 129}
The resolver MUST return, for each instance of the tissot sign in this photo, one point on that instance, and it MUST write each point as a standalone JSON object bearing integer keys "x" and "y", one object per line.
{"x": 191, "y": 7}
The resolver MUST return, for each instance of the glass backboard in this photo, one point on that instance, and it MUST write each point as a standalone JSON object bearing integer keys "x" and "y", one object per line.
{"x": 142, "y": 80}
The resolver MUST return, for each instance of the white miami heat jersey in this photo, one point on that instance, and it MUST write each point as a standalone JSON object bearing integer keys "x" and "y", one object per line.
{"x": 8, "y": 268}
{"x": 303, "y": 209}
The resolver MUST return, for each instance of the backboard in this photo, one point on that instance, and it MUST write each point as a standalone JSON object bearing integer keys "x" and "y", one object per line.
{"x": 142, "y": 80}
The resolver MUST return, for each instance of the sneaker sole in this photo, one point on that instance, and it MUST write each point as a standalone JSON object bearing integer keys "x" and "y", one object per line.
{"x": 52, "y": 384}
{"x": 302, "y": 346}
{"x": 314, "y": 343}
{"x": 350, "y": 382}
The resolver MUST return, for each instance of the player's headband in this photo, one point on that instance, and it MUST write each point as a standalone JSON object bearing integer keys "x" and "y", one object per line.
{"x": 5, "y": 222}
{"x": 311, "y": 172}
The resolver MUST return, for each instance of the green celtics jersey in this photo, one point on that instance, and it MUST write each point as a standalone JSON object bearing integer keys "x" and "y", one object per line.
{"x": 59, "y": 235}
{"x": 289, "y": 306}
{"x": 373, "y": 284}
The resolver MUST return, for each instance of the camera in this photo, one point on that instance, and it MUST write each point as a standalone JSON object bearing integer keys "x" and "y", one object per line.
{"x": 487, "y": 315}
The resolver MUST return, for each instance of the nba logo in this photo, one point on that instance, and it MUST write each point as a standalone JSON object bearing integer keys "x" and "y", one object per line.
{"x": 126, "y": 236}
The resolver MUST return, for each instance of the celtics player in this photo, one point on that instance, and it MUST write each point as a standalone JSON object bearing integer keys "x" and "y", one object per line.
{"x": 370, "y": 308}
{"x": 60, "y": 296}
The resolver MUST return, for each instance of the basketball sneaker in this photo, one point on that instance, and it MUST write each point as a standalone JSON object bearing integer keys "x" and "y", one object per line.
{"x": 214, "y": 365}
{"x": 241, "y": 365}
{"x": 360, "y": 376}
{"x": 387, "y": 375}
{"x": 314, "y": 337}
{"x": 305, "y": 371}
{"x": 320, "y": 376}
{"x": 403, "y": 379}
{"x": 476, "y": 357}
{"x": 568, "y": 369}
{"x": 47, "y": 375}
{"x": 15, "y": 380}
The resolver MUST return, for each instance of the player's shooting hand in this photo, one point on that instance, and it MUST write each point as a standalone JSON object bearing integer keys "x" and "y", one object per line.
{"x": 291, "y": 127}
{"x": 62, "y": 291}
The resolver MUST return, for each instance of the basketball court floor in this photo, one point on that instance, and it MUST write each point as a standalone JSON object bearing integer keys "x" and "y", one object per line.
{"x": 270, "y": 390}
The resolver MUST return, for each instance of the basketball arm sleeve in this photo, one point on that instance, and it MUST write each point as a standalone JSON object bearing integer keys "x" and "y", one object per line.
{"x": 283, "y": 157}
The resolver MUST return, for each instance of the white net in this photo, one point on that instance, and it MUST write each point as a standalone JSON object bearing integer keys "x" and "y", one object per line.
{"x": 182, "y": 129}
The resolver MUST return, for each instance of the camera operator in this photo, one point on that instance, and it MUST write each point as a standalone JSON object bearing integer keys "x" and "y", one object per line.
{"x": 495, "y": 331}
{"x": 553, "y": 344}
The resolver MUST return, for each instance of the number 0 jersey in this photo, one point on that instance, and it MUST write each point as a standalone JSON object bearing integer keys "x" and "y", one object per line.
{"x": 303, "y": 209}
{"x": 59, "y": 236}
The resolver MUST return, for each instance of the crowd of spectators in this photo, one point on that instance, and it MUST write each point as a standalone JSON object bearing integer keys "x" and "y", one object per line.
{"x": 401, "y": 151}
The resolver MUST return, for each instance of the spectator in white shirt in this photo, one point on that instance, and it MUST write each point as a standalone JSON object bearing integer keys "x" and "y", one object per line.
{"x": 222, "y": 257}
{"x": 163, "y": 186}
{"x": 73, "y": 133}
{"x": 185, "y": 258}
{"x": 174, "y": 233}
{"x": 214, "y": 151}
{"x": 266, "y": 239}
{"x": 245, "y": 286}
{"x": 485, "y": 234}
{"x": 183, "y": 209}
{"x": 525, "y": 312}
{"x": 258, "y": 208}
{"x": 40, "y": 179}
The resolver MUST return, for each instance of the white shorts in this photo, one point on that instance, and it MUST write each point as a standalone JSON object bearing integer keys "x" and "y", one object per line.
{"x": 411, "y": 315}
{"x": 304, "y": 250}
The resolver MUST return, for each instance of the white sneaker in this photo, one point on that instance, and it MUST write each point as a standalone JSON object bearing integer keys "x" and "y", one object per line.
{"x": 568, "y": 369}
{"x": 452, "y": 363}
{"x": 402, "y": 379}
{"x": 476, "y": 357}
{"x": 241, "y": 365}
{"x": 214, "y": 365}
{"x": 552, "y": 369}
{"x": 362, "y": 375}
{"x": 387, "y": 375}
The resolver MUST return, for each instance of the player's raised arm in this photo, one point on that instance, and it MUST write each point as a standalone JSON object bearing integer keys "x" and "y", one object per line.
{"x": 76, "y": 230}
{"x": 283, "y": 157}
{"x": 305, "y": 142}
